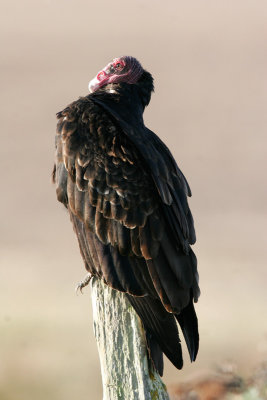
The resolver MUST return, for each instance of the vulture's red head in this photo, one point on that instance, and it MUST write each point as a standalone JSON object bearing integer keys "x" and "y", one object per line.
{"x": 123, "y": 69}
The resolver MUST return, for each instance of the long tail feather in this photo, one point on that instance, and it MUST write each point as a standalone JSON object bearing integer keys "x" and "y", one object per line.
{"x": 161, "y": 331}
{"x": 188, "y": 322}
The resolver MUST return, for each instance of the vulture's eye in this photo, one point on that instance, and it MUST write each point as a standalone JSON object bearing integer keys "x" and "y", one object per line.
{"x": 118, "y": 66}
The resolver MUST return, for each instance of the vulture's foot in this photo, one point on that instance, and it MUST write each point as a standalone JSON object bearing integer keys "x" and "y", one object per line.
{"x": 83, "y": 283}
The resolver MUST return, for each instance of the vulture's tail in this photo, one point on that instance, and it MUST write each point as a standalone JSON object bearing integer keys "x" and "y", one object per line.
{"x": 161, "y": 331}
{"x": 188, "y": 322}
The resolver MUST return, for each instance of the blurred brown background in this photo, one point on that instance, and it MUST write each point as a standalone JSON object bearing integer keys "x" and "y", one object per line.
{"x": 208, "y": 59}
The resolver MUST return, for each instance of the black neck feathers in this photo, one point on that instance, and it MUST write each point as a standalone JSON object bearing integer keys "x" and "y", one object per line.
{"x": 132, "y": 94}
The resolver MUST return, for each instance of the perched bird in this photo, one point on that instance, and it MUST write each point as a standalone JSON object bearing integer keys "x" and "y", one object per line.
{"x": 127, "y": 200}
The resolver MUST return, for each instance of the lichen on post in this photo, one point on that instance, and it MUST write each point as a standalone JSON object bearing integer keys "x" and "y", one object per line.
{"x": 126, "y": 373}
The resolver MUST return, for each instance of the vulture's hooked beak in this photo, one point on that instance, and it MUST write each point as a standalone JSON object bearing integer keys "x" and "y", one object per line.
{"x": 93, "y": 85}
{"x": 101, "y": 79}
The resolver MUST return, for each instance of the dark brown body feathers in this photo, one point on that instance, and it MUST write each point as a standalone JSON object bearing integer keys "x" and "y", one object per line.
{"x": 128, "y": 204}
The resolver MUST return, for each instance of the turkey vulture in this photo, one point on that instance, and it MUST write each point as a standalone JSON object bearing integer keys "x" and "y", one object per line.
{"x": 127, "y": 201}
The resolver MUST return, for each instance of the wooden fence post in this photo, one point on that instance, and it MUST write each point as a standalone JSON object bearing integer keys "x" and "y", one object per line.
{"x": 122, "y": 349}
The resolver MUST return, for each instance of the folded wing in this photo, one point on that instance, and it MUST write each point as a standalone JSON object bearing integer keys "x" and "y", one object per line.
{"x": 128, "y": 204}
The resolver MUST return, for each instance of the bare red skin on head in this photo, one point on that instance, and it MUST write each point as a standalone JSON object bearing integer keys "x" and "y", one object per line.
{"x": 123, "y": 69}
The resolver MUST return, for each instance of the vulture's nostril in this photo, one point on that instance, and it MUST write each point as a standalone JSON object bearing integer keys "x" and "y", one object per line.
{"x": 101, "y": 75}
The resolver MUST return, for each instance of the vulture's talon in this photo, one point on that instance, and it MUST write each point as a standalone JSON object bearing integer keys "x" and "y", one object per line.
{"x": 83, "y": 283}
